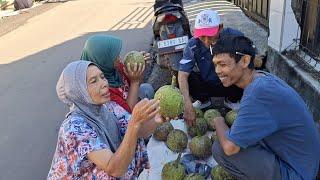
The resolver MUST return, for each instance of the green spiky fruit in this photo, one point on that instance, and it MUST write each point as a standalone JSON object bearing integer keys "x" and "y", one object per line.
{"x": 134, "y": 57}
{"x": 171, "y": 101}
{"x": 162, "y": 131}
{"x": 199, "y": 128}
{"x": 231, "y": 117}
{"x": 173, "y": 170}
{"x": 209, "y": 115}
{"x": 194, "y": 176}
{"x": 199, "y": 113}
{"x": 218, "y": 173}
{"x": 200, "y": 146}
{"x": 177, "y": 140}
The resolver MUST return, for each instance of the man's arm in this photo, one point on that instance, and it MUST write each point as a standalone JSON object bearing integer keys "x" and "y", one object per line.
{"x": 187, "y": 64}
{"x": 184, "y": 85}
{"x": 189, "y": 114}
{"x": 221, "y": 127}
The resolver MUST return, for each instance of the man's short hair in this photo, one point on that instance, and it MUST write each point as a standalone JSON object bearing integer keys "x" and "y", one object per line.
{"x": 236, "y": 47}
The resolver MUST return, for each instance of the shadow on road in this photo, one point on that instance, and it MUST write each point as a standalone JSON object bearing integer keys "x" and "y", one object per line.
{"x": 30, "y": 110}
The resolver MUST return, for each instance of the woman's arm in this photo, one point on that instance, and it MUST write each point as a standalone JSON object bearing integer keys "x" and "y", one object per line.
{"x": 132, "y": 98}
{"x": 134, "y": 72}
{"x": 148, "y": 127}
{"x": 116, "y": 164}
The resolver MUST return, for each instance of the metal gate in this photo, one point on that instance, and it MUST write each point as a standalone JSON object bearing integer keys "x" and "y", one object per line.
{"x": 310, "y": 27}
{"x": 256, "y": 9}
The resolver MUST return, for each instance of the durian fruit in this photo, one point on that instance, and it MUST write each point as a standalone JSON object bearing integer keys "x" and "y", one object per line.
{"x": 171, "y": 100}
{"x": 177, "y": 141}
{"x": 134, "y": 57}
{"x": 231, "y": 117}
{"x": 209, "y": 115}
{"x": 173, "y": 170}
{"x": 200, "y": 127}
{"x": 218, "y": 173}
{"x": 162, "y": 131}
{"x": 200, "y": 146}
{"x": 199, "y": 113}
{"x": 194, "y": 176}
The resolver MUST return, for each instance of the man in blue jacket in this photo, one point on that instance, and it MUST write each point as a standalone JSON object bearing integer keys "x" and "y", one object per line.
{"x": 274, "y": 135}
{"x": 197, "y": 77}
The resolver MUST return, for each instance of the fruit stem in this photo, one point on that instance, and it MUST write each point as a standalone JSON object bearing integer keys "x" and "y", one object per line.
{"x": 174, "y": 81}
{"x": 176, "y": 163}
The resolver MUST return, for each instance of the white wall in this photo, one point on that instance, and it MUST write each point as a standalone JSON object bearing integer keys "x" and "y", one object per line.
{"x": 282, "y": 25}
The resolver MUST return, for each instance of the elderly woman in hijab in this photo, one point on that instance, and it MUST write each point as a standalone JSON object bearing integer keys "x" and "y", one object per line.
{"x": 92, "y": 142}
{"x": 125, "y": 88}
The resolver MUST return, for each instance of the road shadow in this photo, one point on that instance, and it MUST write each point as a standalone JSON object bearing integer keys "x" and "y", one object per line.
{"x": 31, "y": 112}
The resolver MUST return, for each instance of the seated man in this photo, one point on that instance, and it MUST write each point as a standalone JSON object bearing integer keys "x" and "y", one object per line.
{"x": 196, "y": 74}
{"x": 274, "y": 135}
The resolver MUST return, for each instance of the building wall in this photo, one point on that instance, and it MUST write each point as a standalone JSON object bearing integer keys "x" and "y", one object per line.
{"x": 288, "y": 70}
{"x": 282, "y": 25}
{"x": 283, "y": 30}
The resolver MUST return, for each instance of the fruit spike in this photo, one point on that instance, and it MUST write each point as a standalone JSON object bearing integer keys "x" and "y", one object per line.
{"x": 174, "y": 81}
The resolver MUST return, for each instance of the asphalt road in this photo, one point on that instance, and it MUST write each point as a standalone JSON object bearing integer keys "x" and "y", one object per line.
{"x": 32, "y": 57}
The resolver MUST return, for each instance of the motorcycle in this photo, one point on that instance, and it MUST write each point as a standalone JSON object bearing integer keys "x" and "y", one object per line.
{"x": 171, "y": 32}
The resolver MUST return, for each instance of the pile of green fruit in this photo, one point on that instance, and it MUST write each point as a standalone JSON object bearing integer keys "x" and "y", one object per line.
{"x": 218, "y": 173}
{"x": 161, "y": 132}
{"x": 209, "y": 115}
{"x": 173, "y": 170}
{"x": 194, "y": 176}
{"x": 177, "y": 140}
{"x": 231, "y": 117}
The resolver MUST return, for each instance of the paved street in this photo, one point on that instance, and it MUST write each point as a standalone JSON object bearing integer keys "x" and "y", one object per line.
{"x": 33, "y": 54}
{"x": 31, "y": 59}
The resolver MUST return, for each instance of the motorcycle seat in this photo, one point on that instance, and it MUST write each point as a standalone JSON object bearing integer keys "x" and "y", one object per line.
{"x": 167, "y": 8}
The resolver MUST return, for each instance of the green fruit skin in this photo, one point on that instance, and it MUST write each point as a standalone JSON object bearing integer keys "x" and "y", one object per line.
{"x": 209, "y": 115}
{"x": 177, "y": 141}
{"x": 173, "y": 171}
{"x": 194, "y": 176}
{"x": 134, "y": 57}
{"x": 199, "y": 113}
{"x": 162, "y": 131}
{"x": 200, "y": 127}
{"x": 218, "y": 173}
{"x": 200, "y": 146}
{"x": 231, "y": 117}
{"x": 171, "y": 101}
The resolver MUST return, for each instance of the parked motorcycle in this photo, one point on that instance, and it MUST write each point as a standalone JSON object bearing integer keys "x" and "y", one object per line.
{"x": 171, "y": 32}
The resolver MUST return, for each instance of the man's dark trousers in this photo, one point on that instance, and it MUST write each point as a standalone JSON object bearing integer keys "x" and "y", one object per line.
{"x": 202, "y": 91}
{"x": 253, "y": 163}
